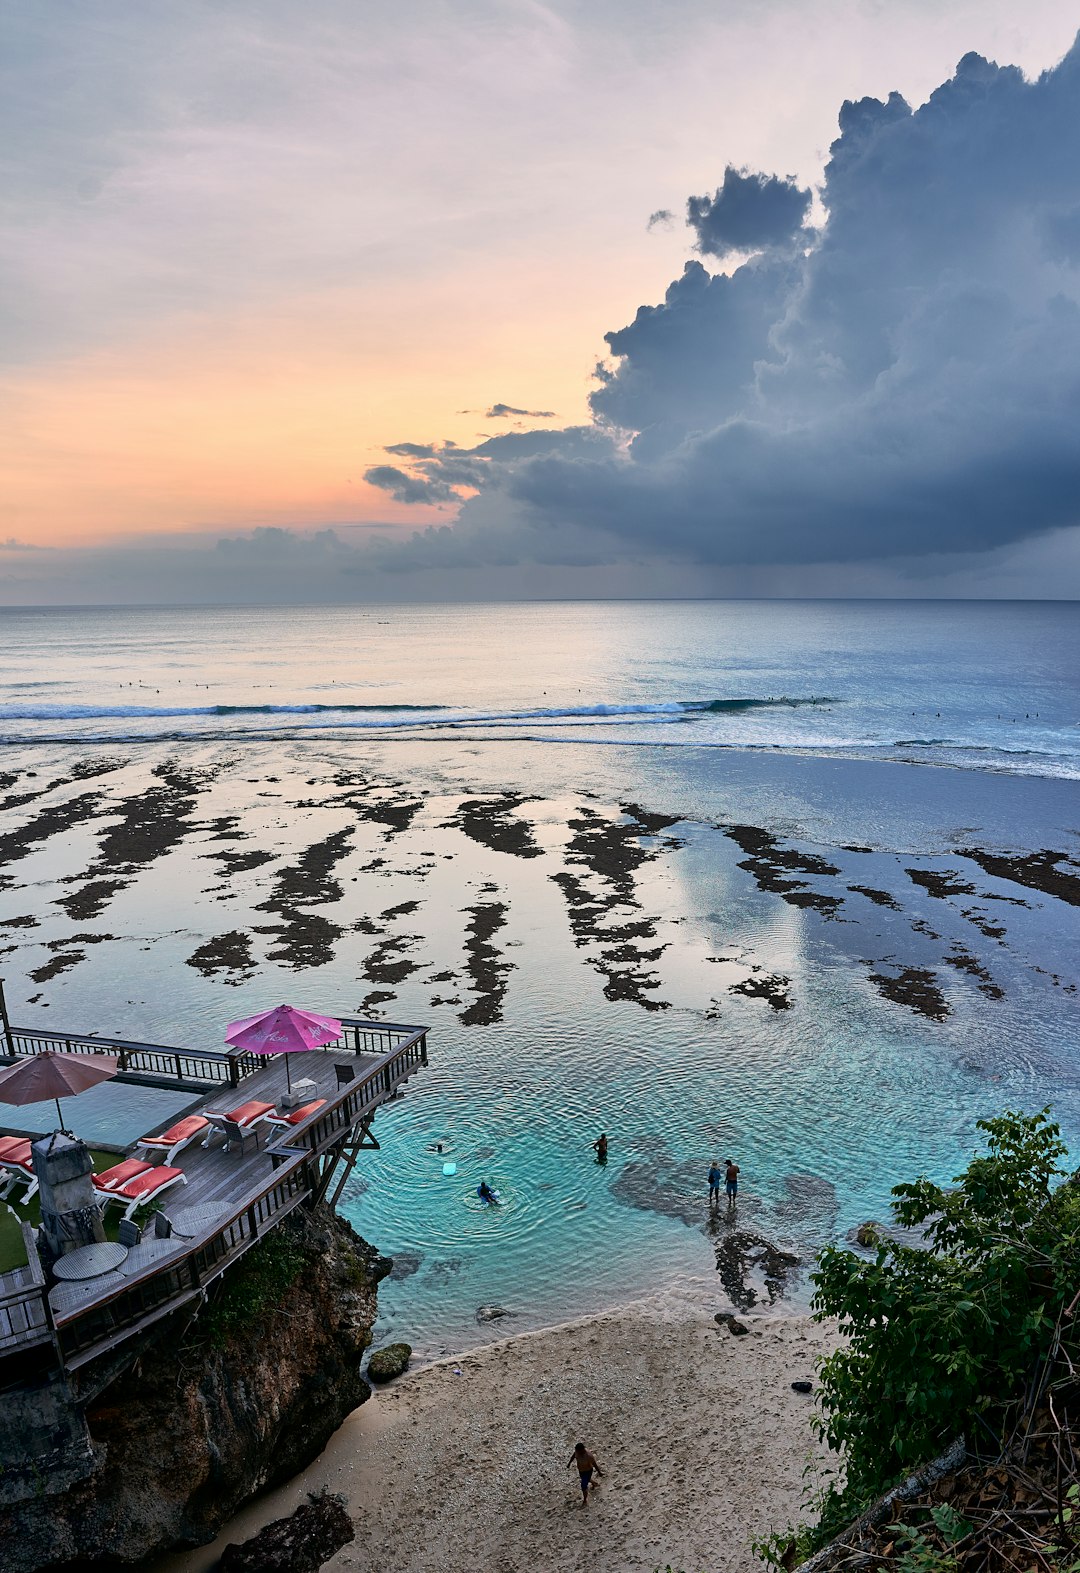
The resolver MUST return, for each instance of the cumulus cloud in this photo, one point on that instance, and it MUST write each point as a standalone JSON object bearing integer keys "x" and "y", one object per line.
{"x": 904, "y": 379}
{"x": 663, "y": 218}
{"x": 747, "y": 213}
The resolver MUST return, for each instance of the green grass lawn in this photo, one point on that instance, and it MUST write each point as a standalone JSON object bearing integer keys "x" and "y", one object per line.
{"x": 12, "y": 1251}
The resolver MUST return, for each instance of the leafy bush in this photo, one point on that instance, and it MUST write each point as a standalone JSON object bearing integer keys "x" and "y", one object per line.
{"x": 254, "y": 1287}
{"x": 939, "y": 1337}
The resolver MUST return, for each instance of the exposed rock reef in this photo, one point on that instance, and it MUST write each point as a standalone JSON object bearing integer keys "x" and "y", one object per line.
{"x": 298, "y": 1544}
{"x": 234, "y": 1400}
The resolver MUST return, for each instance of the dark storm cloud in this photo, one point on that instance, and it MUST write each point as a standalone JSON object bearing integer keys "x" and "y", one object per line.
{"x": 904, "y": 380}
{"x": 746, "y": 213}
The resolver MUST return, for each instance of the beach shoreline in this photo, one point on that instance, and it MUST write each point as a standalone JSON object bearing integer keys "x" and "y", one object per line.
{"x": 701, "y": 1436}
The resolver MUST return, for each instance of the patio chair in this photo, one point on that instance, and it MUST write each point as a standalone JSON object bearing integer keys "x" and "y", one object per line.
{"x": 345, "y": 1074}
{"x": 128, "y": 1233}
{"x": 144, "y": 1188}
{"x": 175, "y": 1139}
{"x": 236, "y": 1134}
{"x": 283, "y": 1118}
{"x": 17, "y": 1167}
{"x": 246, "y": 1116}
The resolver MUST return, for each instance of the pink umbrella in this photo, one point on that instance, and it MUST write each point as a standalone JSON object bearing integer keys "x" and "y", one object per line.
{"x": 54, "y": 1075}
{"x": 284, "y": 1030}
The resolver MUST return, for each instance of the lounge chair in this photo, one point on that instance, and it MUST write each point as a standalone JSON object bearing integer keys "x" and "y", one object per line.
{"x": 17, "y": 1165}
{"x": 113, "y": 1179}
{"x": 175, "y": 1139}
{"x": 246, "y": 1117}
{"x": 283, "y": 1118}
{"x": 142, "y": 1189}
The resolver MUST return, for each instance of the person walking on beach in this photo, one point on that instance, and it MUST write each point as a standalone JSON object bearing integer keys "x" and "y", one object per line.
{"x": 714, "y": 1184}
{"x": 600, "y": 1148}
{"x": 731, "y": 1180}
{"x": 585, "y": 1464}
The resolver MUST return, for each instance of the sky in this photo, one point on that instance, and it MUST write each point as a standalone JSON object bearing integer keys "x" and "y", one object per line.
{"x": 501, "y": 298}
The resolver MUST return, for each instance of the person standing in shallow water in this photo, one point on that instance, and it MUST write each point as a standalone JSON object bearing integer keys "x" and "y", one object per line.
{"x": 714, "y": 1184}
{"x": 600, "y": 1148}
{"x": 731, "y": 1180}
{"x": 585, "y": 1464}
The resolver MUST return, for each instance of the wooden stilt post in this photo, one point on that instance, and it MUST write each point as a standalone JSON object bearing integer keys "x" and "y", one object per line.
{"x": 9, "y": 1041}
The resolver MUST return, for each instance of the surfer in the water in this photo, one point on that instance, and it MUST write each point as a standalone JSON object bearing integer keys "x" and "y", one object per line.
{"x": 486, "y": 1194}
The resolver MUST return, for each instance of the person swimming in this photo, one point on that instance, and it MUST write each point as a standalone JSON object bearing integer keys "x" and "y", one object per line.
{"x": 486, "y": 1194}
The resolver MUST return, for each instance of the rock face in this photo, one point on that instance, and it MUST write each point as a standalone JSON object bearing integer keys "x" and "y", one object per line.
{"x": 300, "y": 1544}
{"x": 228, "y": 1403}
{"x": 387, "y": 1363}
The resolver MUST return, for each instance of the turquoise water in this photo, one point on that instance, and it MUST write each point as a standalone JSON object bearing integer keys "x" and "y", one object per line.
{"x": 825, "y": 1104}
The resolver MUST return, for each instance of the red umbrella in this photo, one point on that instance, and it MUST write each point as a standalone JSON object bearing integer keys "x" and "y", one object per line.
{"x": 283, "y": 1030}
{"x": 54, "y": 1075}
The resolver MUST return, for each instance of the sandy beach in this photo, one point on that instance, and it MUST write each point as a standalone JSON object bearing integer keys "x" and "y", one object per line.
{"x": 702, "y": 1440}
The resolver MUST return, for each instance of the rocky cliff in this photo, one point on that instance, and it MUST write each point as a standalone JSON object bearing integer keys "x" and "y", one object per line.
{"x": 234, "y": 1400}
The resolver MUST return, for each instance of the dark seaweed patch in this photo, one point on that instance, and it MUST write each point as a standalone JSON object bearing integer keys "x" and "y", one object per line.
{"x": 52, "y": 821}
{"x": 379, "y": 969}
{"x": 1037, "y": 870}
{"x": 964, "y": 961}
{"x": 880, "y": 898}
{"x": 240, "y": 862}
{"x": 612, "y": 852}
{"x": 941, "y": 883}
{"x": 229, "y": 953}
{"x": 150, "y": 824}
{"x": 307, "y": 940}
{"x": 91, "y": 899}
{"x": 769, "y": 986}
{"x": 771, "y": 864}
{"x": 309, "y": 879}
{"x": 915, "y": 987}
{"x": 489, "y": 822}
{"x": 485, "y": 964}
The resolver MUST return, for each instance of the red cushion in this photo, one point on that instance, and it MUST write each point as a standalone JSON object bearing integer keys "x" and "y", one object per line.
{"x": 248, "y": 1112}
{"x": 150, "y": 1181}
{"x": 177, "y": 1133}
{"x": 117, "y": 1177}
{"x": 294, "y": 1116}
{"x": 15, "y": 1149}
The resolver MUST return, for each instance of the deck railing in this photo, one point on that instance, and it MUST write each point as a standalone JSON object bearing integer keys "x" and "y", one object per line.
{"x": 24, "y": 1316}
{"x": 199, "y": 1069}
{"x": 86, "y": 1331}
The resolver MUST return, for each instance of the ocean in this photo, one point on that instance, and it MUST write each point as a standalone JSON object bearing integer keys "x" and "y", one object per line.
{"x": 795, "y": 882}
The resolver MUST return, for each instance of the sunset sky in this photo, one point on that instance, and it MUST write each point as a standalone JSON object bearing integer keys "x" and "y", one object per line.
{"x": 247, "y": 247}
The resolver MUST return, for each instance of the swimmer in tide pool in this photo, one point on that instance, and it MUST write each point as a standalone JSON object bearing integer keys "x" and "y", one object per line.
{"x": 486, "y": 1194}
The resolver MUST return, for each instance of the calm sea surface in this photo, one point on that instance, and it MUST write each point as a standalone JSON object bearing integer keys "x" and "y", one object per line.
{"x": 877, "y": 736}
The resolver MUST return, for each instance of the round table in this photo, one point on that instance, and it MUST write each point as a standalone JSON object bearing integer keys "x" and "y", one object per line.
{"x": 90, "y": 1261}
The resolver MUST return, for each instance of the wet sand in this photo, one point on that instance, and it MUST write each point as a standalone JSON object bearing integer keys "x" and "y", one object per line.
{"x": 701, "y": 1438}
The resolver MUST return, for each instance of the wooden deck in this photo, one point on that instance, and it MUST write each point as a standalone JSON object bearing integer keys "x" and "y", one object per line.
{"x": 228, "y": 1202}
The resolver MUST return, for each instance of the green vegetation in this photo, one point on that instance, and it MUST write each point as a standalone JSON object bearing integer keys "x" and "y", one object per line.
{"x": 254, "y": 1287}
{"x": 12, "y": 1252}
{"x": 942, "y": 1339}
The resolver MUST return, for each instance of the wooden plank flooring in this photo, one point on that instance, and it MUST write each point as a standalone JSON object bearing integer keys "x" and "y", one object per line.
{"x": 214, "y": 1175}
